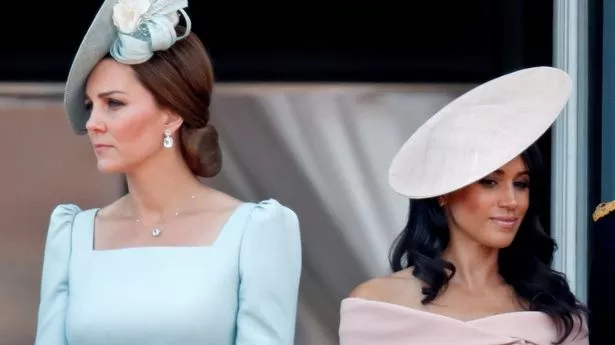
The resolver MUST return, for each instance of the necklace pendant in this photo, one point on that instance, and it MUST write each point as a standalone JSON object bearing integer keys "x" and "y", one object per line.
{"x": 156, "y": 232}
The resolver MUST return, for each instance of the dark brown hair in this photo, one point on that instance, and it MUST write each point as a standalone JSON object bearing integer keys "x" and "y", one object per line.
{"x": 525, "y": 265}
{"x": 181, "y": 79}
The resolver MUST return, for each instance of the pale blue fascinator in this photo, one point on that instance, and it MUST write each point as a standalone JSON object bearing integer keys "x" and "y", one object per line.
{"x": 130, "y": 31}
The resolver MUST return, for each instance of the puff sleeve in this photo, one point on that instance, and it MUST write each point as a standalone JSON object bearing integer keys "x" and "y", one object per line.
{"x": 54, "y": 281}
{"x": 269, "y": 270}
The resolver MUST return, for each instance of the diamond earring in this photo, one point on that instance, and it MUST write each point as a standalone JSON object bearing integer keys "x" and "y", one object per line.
{"x": 168, "y": 140}
{"x": 442, "y": 202}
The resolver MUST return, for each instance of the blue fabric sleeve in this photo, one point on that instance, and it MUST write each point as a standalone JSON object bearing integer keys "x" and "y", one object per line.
{"x": 54, "y": 281}
{"x": 270, "y": 271}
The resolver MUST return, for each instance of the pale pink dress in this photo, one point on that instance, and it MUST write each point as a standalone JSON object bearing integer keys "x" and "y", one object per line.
{"x": 366, "y": 322}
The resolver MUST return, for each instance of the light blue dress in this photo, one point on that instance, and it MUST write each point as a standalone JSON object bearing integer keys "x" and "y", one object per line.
{"x": 241, "y": 290}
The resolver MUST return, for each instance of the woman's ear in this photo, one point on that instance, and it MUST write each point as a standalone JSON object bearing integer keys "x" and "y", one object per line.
{"x": 172, "y": 121}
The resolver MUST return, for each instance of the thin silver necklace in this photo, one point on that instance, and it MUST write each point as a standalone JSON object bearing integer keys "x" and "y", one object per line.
{"x": 157, "y": 230}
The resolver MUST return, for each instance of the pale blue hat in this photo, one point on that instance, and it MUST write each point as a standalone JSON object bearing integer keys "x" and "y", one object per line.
{"x": 131, "y": 31}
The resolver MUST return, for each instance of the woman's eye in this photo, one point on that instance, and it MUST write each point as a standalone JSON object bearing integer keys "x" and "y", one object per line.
{"x": 114, "y": 103}
{"x": 487, "y": 182}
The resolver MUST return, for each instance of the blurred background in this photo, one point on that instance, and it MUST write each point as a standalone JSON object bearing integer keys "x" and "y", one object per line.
{"x": 311, "y": 105}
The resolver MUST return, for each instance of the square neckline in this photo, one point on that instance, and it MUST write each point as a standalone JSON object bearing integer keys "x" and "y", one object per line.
{"x": 223, "y": 230}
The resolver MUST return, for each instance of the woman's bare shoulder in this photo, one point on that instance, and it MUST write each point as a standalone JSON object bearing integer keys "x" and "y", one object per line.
{"x": 118, "y": 208}
{"x": 399, "y": 288}
{"x": 218, "y": 200}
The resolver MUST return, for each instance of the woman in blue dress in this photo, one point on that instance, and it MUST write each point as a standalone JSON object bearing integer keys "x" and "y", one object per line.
{"x": 172, "y": 261}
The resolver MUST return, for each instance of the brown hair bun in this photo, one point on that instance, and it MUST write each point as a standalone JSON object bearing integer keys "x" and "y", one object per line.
{"x": 201, "y": 150}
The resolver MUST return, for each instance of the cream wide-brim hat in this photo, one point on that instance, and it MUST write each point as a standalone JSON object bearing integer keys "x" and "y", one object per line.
{"x": 479, "y": 132}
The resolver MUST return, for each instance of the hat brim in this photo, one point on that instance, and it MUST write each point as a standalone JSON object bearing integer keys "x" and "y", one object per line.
{"x": 479, "y": 132}
{"x": 94, "y": 46}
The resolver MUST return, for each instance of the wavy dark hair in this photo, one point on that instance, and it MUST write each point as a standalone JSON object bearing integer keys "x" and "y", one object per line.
{"x": 525, "y": 265}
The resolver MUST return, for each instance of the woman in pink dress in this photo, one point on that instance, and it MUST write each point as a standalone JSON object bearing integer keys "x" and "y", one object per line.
{"x": 473, "y": 263}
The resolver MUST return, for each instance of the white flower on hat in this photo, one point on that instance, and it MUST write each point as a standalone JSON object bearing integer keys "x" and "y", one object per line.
{"x": 174, "y": 18}
{"x": 127, "y": 14}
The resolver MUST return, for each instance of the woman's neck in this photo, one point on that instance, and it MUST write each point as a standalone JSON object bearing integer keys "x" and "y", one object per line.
{"x": 476, "y": 265}
{"x": 160, "y": 186}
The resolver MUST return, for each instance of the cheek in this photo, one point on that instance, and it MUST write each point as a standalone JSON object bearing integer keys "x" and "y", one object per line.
{"x": 472, "y": 204}
{"x": 127, "y": 126}
{"x": 470, "y": 211}
{"x": 467, "y": 216}
{"x": 134, "y": 128}
{"x": 524, "y": 201}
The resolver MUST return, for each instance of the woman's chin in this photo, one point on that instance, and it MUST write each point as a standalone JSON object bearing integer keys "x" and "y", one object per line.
{"x": 106, "y": 167}
{"x": 500, "y": 241}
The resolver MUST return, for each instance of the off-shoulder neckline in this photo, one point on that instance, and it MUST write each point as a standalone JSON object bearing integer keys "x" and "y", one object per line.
{"x": 406, "y": 309}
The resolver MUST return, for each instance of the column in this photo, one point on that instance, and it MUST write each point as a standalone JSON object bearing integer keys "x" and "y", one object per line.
{"x": 569, "y": 194}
